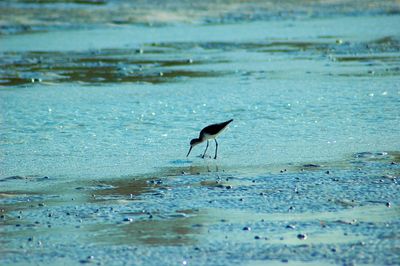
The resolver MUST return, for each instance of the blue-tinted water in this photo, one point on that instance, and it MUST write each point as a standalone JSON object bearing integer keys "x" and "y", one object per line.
{"x": 292, "y": 98}
{"x": 96, "y": 123}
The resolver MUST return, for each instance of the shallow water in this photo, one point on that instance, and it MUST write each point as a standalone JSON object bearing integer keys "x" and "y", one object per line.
{"x": 96, "y": 119}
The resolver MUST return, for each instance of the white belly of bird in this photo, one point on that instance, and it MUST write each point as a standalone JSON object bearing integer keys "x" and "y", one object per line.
{"x": 208, "y": 136}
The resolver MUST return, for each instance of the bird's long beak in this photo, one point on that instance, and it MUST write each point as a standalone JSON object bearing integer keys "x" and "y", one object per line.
{"x": 189, "y": 150}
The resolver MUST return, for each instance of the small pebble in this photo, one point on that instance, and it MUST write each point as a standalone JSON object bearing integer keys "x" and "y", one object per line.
{"x": 246, "y": 228}
{"x": 36, "y": 80}
{"x": 302, "y": 236}
{"x": 88, "y": 259}
{"x": 257, "y": 237}
{"x": 388, "y": 204}
{"x": 328, "y": 172}
{"x": 127, "y": 219}
{"x": 290, "y": 226}
{"x": 311, "y": 165}
{"x": 197, "y": 225}
{"x": 228, "y": 187}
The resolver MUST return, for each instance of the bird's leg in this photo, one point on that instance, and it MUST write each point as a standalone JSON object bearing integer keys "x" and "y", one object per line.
{"x": 205, "y": 151}
{"x": 216, "y": 149}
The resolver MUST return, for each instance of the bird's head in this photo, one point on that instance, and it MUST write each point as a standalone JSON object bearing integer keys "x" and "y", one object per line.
{"x": 193, "y": 143}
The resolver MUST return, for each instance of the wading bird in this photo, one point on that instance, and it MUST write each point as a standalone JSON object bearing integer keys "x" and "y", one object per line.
{"x": 207, "y": 133}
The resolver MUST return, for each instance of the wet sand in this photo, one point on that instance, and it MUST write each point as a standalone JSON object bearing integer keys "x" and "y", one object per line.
{"x": 98, "y": 108}
{"x": 339, "y": 213}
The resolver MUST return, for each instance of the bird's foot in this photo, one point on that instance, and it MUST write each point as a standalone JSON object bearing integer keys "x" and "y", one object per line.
{"x": 215, "y": 157}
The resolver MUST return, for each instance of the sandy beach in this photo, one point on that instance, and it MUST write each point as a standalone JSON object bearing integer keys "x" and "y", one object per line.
{"x": 100, "y": 99}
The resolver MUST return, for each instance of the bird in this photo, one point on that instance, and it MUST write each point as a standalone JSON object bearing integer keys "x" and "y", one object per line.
{"x": 207, "y": 133}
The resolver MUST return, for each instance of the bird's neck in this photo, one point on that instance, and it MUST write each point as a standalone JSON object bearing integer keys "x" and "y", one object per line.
{"x": 201, "y": 139}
